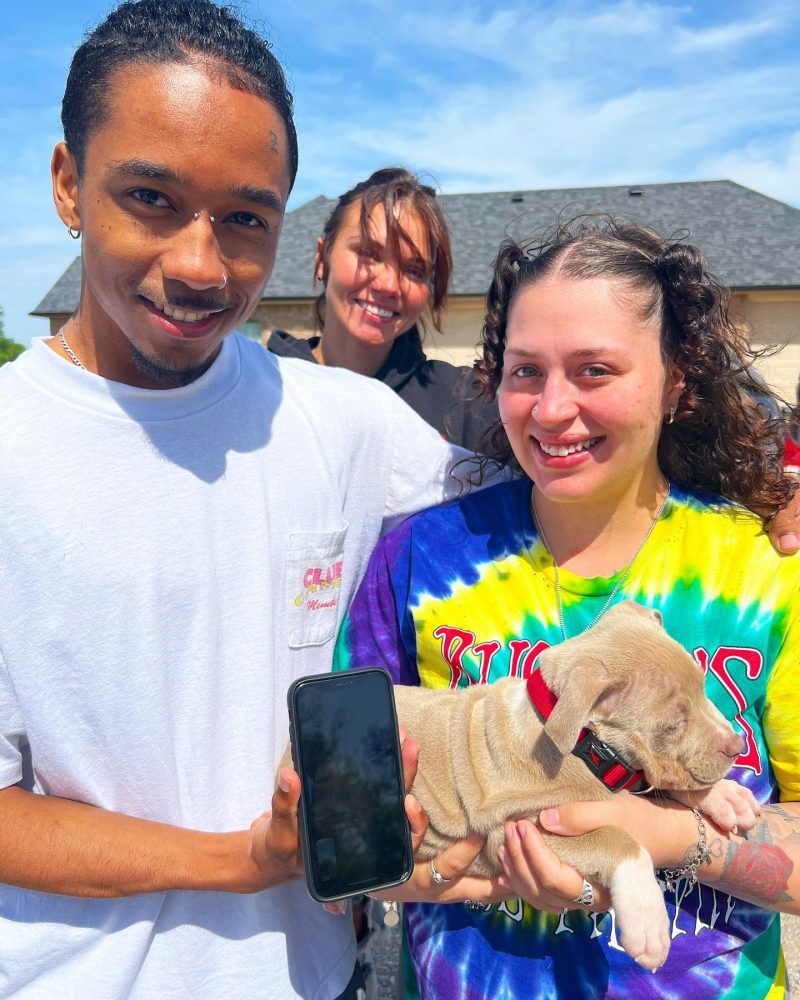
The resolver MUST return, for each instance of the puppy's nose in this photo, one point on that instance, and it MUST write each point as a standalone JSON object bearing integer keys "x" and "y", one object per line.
{"x": 733, "y": 744}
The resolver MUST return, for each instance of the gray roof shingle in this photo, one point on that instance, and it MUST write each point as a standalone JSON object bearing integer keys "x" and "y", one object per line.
{"x": 64, "y": 295}
{"x": 751, "y": 241}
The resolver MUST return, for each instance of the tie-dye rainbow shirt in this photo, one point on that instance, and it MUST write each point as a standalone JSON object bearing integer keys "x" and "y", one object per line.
{"x": 464, "y": 594}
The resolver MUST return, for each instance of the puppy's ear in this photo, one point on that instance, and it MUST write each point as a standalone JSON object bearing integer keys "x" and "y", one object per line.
{"x": 586, "y": 688}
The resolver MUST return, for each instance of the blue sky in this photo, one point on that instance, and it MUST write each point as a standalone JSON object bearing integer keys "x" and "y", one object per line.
{"x": 482, "y": 96}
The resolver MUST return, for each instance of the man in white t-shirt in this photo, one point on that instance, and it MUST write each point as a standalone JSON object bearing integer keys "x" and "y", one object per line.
{"x": 173, "y": 499}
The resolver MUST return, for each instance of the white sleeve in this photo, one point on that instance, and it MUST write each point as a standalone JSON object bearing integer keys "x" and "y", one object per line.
{"x": 12, "y": 731}
{"x": 422, "y": 464}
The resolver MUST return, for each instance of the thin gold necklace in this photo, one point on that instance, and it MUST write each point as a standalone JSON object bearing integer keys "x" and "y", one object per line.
{"x": 617, "y": 585}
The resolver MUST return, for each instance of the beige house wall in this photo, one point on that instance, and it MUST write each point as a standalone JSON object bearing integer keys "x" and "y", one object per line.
{"x": 293, "y": 315}
{"x": 772, "y": 317}
{"x": 56, "y": 321}
{"x": 458, "y": 341}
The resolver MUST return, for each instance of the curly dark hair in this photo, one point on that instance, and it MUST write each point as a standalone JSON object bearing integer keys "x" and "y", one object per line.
{"x": 722, "y": 439}
{"x": 170, "y": 31}
{"x": 392, "y": 187}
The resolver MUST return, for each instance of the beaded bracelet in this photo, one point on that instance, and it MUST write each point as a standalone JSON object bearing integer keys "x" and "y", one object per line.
{"x": 688, "y": 871}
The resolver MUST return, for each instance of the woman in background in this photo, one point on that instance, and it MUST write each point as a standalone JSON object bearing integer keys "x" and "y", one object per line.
{"x": 384, "y": 260}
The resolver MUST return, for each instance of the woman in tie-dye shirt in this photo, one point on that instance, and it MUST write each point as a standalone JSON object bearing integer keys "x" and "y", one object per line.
{"x": 619, "y": 380}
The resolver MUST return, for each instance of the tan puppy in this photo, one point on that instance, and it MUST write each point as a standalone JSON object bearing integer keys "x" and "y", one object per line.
{"x": 487, "y": 756}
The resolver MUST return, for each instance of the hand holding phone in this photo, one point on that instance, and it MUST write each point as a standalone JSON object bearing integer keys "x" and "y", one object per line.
{"x": 345, "y": 747}
{"x": 273, "y": 853}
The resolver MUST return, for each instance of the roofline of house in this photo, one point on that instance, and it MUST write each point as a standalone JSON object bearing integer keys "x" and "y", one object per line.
{"x": 633, "y": 186}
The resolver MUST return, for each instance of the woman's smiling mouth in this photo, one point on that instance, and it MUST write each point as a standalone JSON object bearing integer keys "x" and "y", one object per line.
{"x": 377, "y": 311}
{"x": 562, "y": 450}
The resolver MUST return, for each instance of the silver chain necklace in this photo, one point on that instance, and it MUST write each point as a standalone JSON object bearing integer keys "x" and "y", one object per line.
{"x": 70, "y": 353}
{"x": 617, "y": 585}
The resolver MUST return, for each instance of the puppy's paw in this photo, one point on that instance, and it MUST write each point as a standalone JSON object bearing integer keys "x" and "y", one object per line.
{"x": 727, "y": 803}
{"x": 642, "y": 920}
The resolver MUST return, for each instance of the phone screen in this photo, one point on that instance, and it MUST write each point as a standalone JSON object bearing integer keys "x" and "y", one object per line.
{"x": 347, "y": 752}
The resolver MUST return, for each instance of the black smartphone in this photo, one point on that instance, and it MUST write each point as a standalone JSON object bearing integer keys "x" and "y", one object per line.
{"x": 346, "y": 749}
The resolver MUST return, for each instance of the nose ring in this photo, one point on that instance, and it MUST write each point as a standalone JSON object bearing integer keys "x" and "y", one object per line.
{"x": 224, "y": 281}
{"x": 210, "y": 218}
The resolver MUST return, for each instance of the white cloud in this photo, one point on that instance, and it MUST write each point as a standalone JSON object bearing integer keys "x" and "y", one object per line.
{"x": 573, "y": 95}
{"x": 758, "y": 165}
{"x": 725, "y": 36}
{"x": 555, "y": 134}
{"x": 616, "y": 39}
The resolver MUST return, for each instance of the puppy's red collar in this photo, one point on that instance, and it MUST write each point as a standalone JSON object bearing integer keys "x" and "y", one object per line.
{"x": 601, "y": 759}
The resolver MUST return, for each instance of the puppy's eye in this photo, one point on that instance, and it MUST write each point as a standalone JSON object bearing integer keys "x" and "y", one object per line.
{"x": 677, "y": 726}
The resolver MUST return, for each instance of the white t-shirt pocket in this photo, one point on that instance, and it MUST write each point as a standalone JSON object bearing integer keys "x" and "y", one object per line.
{"x": 313, "y": 585}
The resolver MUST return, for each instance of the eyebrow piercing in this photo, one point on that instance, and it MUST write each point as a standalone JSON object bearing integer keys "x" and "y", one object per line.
{"x": 210, "y": 218}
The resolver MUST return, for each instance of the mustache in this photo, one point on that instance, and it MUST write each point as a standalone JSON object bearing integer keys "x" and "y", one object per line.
{"x": 196, "y": 302}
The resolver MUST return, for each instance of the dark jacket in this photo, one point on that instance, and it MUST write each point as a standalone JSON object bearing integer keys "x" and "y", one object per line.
{"x": 442, "y": 394}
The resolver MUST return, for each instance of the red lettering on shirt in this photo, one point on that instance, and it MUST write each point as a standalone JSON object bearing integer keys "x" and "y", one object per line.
{"x": 524, "y": 656}
{"x": 485, "y": 651}
{"x": 718, "y": 665}
{"x": 455, "y": 643}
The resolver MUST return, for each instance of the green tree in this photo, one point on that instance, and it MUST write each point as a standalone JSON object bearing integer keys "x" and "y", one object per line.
{"x": 9, "y": 349}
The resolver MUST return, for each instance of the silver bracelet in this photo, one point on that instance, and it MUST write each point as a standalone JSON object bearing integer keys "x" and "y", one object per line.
{"x": 701, "y": 856}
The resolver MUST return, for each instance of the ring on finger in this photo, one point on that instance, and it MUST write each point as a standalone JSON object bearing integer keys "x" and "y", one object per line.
{"x": 586, "y": 896}
{"x": 436, "y": 877}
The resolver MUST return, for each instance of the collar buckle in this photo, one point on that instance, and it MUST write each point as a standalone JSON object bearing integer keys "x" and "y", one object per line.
{"x": 605, "y": 763}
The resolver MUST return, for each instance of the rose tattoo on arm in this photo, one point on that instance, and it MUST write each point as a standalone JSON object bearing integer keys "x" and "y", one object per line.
{"x": 759, "y": 867}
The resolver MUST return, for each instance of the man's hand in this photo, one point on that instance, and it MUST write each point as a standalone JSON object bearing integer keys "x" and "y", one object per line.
{"x": 274, "y": 846}
{"x": 784, "y": 528}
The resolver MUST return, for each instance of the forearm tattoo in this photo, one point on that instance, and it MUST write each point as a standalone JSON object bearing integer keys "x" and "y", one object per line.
{"x": 759, "y": 866}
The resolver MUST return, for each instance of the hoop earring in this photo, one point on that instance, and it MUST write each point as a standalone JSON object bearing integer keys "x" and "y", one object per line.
{"x": 74, "y": 233}
{"x": 671, "y": 417}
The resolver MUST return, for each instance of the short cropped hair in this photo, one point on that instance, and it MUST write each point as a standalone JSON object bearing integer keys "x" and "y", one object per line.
{"x": 170, "y": 31}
